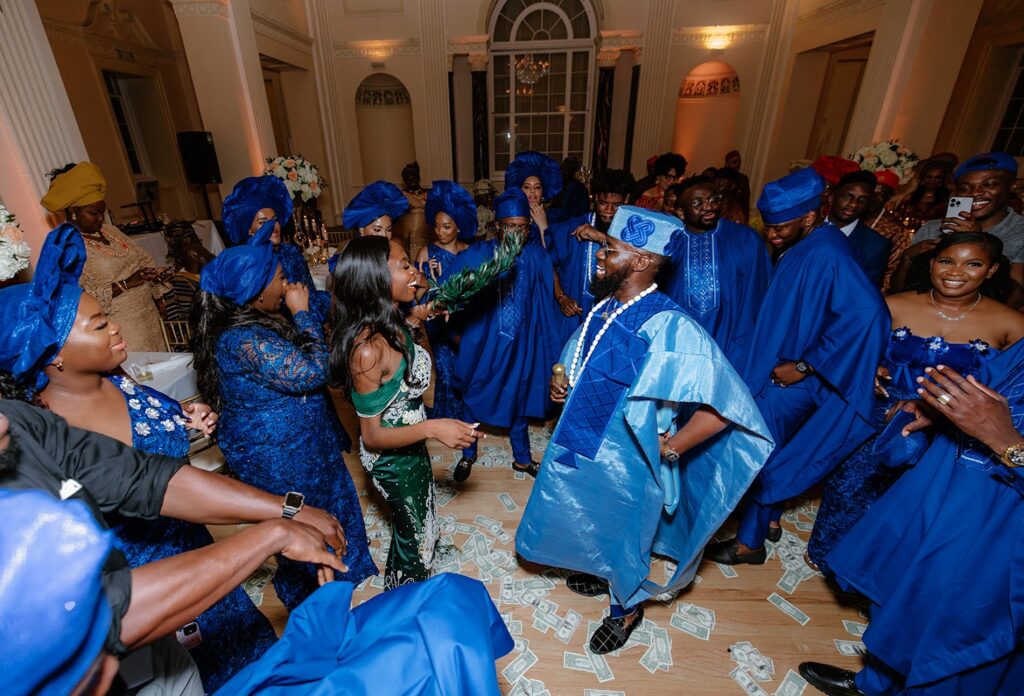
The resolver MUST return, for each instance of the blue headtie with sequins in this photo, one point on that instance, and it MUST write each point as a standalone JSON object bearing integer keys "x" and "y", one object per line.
{"x": 448, "y": 197}
{"x": 530, "y": 163}
{"x": 249, "y": 196}
{"x": 511, "y": 203}
{"x": 644, "y": 229}
{"x": 242, "y": 272}
{"x": 56, "y": 617}
{"x": 377, "y": 199}
{"x": 36, "y": 317}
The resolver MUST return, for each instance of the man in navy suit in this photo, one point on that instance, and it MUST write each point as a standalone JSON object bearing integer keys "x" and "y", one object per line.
{"x": 849, "y": 198}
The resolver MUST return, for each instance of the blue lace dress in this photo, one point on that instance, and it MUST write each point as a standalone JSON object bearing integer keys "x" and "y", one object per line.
{"x": 296, "y": 270}
{"x": 447, "y": 402}
{"x": 862, "y": 478}
{"x": 234, "y": 632}
{"x": 279, "y": 433}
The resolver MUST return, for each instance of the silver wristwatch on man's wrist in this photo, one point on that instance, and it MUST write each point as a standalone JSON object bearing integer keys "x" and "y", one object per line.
{"x": 293, "y": 502}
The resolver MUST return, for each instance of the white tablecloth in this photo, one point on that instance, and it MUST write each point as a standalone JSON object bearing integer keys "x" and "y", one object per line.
{"x": 320, "y": 273}
{"x": 173, "y": 373}
{"x": 154, "y": 244}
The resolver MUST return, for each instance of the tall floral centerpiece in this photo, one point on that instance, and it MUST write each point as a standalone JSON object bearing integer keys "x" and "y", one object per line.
{"x": 14, "y": 251}
{"x": 304, "y": 183}
{"x": 889, "y": 154}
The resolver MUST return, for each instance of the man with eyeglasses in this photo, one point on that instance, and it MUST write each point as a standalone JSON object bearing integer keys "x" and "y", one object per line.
{"x": 573, "y": 246}
{"x": 510, "y": 338}
{"x": 718, "y": 269}
{"x": 816, "y": 345}
{"x": 653, "y": 412}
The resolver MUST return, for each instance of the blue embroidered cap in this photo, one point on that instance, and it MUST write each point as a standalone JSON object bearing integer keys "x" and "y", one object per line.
{"x": 36, "y": 317}
{"x": 448, "y": 197}
{"x": 377, "y": 199}
{"x": 240, "y": 273}
{"x": 791, "y": 196}
{"x": 530, "y": 163}
{"x": 56, "y": 617}
{"x": 644, "y": 229}
{"x": 987, "y": 161}
{"x": 248, "y": 197}
{"x": 511, "y": 203}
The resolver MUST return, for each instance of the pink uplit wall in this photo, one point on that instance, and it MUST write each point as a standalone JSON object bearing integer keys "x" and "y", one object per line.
{"x": 705, "y": 126}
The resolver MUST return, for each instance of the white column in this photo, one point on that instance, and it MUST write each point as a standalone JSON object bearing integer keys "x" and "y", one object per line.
{"x": 768, "y": 93}
{"x": 649, "y": 103}
{"x": 220, "y": 46}
{"x": 435, "y": 82}
{"x": 38, "y": 131}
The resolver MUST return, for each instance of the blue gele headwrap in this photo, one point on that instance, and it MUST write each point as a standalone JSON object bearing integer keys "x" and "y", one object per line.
{"x": 644, "y": 229}
{"x": 55, "y": 614}
{"x": 240, "y": 273}
{"x": 791, "y": 196}
{"x": 448, "y": 197}
{"x": 511, "y": 203}
{"x": 530, "y": 163}
{"x": 249, "y": 196}
{"x": 377, "y": 199}
{"x": 36, "y": 317}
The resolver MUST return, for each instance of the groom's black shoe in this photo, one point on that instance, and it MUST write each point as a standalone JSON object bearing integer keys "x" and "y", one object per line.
{"x": 829, "y": 679}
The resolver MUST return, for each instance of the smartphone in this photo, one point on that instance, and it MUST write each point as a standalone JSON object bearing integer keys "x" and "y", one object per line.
{"x": 957, "y": 205}
{"x": 189, "y": 635}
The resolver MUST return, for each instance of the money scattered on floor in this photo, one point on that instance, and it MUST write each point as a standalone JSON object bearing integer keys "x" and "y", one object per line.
{"x": 788, "y": 609}
{"x": 747, "y": 683}
{"x": 751, "y": 660}
{"x": 727, "y": 570}
{"x": 854, "y": 628}
{"x": 693, "y": 620}
{"x": 519, "y": 666}
{"x": 850, "y": 648}
{"x": 506, "y": 502}
{"x": 792, "y": 685}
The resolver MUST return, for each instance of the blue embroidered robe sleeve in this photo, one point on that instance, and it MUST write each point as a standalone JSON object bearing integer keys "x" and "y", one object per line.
{"x": 296, "y": 270}
{"x": 575, "y": 262}
{"x": 279, "y": 432}
{"x": 604, "y": 501}
{"x": 233, "y": 630}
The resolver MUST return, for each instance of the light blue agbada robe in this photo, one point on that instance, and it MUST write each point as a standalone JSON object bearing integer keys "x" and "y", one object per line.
{"x": 604, "y": 500}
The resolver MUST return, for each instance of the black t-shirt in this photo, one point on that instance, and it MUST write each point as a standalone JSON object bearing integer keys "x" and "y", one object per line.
{"x": 105, "y": 474}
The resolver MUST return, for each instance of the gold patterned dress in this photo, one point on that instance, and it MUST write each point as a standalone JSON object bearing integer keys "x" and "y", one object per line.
{"x": 134, "y": 310}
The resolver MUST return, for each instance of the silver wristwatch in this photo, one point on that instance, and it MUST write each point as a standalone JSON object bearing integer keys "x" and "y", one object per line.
{"x": 293, "y": 502}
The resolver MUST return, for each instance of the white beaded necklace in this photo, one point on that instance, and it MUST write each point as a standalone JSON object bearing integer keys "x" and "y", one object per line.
{"x": 597, "y": 339}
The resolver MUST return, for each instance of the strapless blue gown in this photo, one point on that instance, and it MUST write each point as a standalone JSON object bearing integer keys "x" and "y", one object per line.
{"x": 234, "y": 632}
{"x": 862, "y": 478}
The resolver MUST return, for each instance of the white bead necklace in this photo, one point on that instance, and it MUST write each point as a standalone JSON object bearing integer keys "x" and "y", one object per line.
{"x": 573, "y": 371}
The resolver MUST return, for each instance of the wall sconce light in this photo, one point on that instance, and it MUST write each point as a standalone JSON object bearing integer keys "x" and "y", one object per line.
{"x": 717, "y": 42}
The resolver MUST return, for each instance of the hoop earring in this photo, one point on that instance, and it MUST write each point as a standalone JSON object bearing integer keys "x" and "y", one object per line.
{"x": 59, "y": 364}
{"x": 260, "y": 298}
{"x": 74, "y": 216}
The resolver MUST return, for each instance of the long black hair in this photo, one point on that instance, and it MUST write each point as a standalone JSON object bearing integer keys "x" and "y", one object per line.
{"x": 363, "y": 300}
{"x": 211, "y": 316}
{"x": 998, "y": 287}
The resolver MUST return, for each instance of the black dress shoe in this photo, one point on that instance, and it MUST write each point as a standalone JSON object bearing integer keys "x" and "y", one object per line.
{"x": 586, "y": 585}
{"x": 532, "y": 468}
{"x": 829, "y": 679}
{"x": 774, "y": 534}
{"x": 612, "y": 634}
{"x": 725, "y": 552}
{"x": 463, "y": 469}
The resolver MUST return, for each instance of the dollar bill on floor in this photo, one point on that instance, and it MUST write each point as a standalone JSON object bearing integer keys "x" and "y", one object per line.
{"x": 602, "y": 692}
{"x": 792, "y": 685}
{"x": 804, "y": 526}
{"x": 506, "y": 502}
{"x": 854, "y": 628}
{"x": 750, "y": 659}
{"x": 747, "y": 683}
{"x": 727, "y": 570}
{"x": 850, "y": 648}
{"x": 257, "y": 582}
{"x": 600, "y": 666}
{"x": 519, "y": 666}
{"x": 444, "y": 493}
{"x": 788, "y": 609}
{"x": 568, "y": 627}
{"x": 577, "y": 662}
{"x": 378, "y": 582}
{"x": 519, "y": 475}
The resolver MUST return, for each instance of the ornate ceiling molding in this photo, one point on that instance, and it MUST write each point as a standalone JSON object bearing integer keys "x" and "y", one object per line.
{"x": 274, "y": 30}
{"x": 621, "y": 40}
{"x": 731, "y": 34}
{"x": 104, "y": 46}
{"x": 200, "y": 8}
{"x": 382, "y": 48}
{"x": 458, "y": 45}
{"x": 833, "y": 12}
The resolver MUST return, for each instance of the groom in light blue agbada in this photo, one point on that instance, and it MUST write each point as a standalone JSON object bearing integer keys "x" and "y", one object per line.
{"x": 657, "y": 443}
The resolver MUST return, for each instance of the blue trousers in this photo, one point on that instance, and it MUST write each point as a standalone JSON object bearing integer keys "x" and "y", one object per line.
{"x": 996, "y": 677}
{"x": 519, "y": 434}
{"x": 784, "y": 410}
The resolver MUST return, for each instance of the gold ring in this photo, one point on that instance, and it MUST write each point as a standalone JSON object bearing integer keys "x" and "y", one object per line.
{"x": 944, "y": 399}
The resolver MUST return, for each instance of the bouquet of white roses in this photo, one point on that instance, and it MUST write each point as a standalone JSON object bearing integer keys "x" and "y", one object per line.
{"x": 14, "y": 252}
{"x": 299, "y": 174}
{"x": 890, "y": 155}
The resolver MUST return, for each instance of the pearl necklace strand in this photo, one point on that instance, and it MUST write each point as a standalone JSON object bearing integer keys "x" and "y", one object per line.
{"x": 597, "y": 339}
{"x": 946, "y": 317}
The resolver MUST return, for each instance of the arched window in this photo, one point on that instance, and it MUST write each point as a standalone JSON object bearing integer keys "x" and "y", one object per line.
{"x": 541, "y": 73}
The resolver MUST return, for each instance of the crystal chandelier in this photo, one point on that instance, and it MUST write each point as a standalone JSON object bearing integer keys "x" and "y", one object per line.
{"x": 530, "y": 71}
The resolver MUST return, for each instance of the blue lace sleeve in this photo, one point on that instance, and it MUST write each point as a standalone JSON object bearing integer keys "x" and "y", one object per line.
{"x": 268, "y": 359}
{"x": 296, "y": 270}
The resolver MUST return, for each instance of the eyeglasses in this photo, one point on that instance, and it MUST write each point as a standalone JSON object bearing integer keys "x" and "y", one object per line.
{"x": 698, "y": 203}
{"x": 607, "y": 249}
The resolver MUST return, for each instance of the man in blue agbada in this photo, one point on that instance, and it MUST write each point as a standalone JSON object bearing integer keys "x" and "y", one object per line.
{"x": 509, "y": 341}
{"x": 817, "y": 343}
{"x": 941, "y": 555}
{"x": 719, "y": 269}
{"x": 658, "y": 441}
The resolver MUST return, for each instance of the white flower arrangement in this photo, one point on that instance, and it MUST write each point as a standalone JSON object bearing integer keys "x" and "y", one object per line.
{"x": 14, "y": 251}
{"x": 890, "y": 155}
{"x": 299, "y": 174}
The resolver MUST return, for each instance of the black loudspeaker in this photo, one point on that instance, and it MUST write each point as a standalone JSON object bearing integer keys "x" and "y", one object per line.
{"x": 199, "y": 157}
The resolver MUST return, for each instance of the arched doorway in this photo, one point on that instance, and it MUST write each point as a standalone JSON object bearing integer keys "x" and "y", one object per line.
{"x": 384, "y": 123}
{"x": 706, "y": 112}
